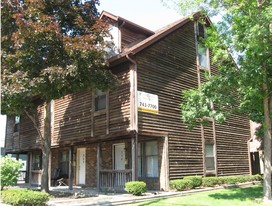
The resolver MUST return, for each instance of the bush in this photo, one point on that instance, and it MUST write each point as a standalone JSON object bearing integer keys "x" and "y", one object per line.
{"x": 210, "y": 181}
{"x": 230, "y": 180}
{"x": 9, "y": 171}
{"x": 181, "y": 184}
{"x": 135, "y": 187}
{"x": 196, "y": 180}
{"x": 24, "y": 197}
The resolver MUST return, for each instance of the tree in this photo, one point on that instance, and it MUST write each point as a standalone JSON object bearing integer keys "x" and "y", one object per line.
{"x": 50, "y": 49}
{"x": 245, "y": 31}
{"x": 10, "y": 171}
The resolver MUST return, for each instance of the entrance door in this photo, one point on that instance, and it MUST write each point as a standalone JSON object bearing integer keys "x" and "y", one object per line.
{"x": 81, "y": 166}
{"x": 119, "y": 156}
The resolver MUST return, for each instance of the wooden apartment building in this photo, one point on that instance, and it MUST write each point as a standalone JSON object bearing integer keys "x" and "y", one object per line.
{"x": 104, "y": 139}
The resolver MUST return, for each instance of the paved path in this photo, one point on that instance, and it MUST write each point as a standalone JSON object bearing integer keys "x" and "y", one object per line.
{"x": 113, "y": 198}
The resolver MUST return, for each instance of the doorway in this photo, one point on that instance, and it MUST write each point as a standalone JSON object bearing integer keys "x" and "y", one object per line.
{"x": 119, "y": 156}
{"x": 81, "y": 166}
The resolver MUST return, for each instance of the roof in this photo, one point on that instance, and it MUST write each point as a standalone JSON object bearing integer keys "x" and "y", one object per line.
{"x": 153, "y": 39}
{"x": 126, "y": 23}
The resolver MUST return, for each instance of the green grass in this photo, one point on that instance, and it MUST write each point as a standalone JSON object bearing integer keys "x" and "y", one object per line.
{"x": 250, "y": 196}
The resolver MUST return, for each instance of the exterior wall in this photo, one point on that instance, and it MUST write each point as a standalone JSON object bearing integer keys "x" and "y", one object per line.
{"x": 165, "y": 69}
{"x": 129, "y": 38}
{"x": 27, "y": 138}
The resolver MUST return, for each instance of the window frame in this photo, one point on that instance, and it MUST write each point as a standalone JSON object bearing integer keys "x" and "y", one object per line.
{"x": 36, "y": 156}
{"x": 201, "y": 34}
{"x": 210, "y": 157}
{"x": 97, "y": 95}
{"x": 142, "y": 159}
{"x": 17, "y": 120}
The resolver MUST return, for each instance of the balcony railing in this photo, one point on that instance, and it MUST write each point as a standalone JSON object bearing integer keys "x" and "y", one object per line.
{"x": 114, "y": 180}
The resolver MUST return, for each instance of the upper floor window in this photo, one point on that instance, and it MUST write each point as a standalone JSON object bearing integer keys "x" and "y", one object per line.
{"x": 100, "y": 100}
{"x": 17, "y": 123}
{"x": 202, "y": 51}
{"x": 113, "y": 41}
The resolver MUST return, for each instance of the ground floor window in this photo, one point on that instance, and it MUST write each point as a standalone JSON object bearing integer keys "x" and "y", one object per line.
{"x": 209, "y": 157}
{"x": 37, "y": 161}
{"x": 64, "y": 162}
{"x": 148, "y": 159}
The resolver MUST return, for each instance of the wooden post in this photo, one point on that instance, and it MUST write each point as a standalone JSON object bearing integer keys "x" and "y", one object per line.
{"x": 133, "y": 158}
{"x": 98, "y": 150}
{"x": 71, "y": 152}
{"x": 215, "y": 148}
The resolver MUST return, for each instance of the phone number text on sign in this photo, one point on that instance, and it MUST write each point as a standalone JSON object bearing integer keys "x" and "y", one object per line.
{"x": 148, "y": 102}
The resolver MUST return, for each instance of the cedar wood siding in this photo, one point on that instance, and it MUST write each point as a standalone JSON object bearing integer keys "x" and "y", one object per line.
{"x": 74, "y": 115}
{"x": 165, "y": 69}
{"x": 129, "y": 38}
{"x": 73, "y": 121}
{"x": 27, "y": 138}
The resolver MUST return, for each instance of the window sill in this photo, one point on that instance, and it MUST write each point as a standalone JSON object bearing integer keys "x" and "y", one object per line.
{"x": 99, "y": 112}
{"x": 203, "y": 68}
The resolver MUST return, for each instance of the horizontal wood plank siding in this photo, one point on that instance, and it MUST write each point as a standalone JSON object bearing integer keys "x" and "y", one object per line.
{"x": 72, "y": 117}
{"x": 232, "y": 151}
{"x": 119, "y": 104}
{"x": 129, "y": 38}
{"x": 165, "y": 69}
{"x": 29, "y": 138}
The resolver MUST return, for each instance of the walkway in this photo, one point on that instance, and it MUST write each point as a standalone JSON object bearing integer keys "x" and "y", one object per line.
{"x": 88, "y": 196}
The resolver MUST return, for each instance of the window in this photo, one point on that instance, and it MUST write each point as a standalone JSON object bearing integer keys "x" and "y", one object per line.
{"x": 202, "y": 51}
{"x": 36, "y": 161}
{"x": 148, "y": 159}
{"x": 64, "y": 162}
{"x": 209, "y": 156}
{"x": 17, "y": 123}
{"x": 112, "y": 41}
{"x": 100, "y": 100}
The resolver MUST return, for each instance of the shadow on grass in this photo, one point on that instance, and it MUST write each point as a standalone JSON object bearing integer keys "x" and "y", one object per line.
{"x": 242, "y": 194}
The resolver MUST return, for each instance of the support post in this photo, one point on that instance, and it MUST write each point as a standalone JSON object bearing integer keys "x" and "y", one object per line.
{"x": 71, "y": 152}
{"x": 98, "y": 150}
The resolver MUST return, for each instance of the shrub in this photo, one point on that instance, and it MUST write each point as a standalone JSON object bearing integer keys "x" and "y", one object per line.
{"x": 9, "y": 171}
{"x": 231, "y": 180}
{"x": 210, "y": 181}
{"x": 181, "y": 184}
{"x": 24, "y": 197}
{"x": 135, "y": 187}
{"x": 196, "y": 180}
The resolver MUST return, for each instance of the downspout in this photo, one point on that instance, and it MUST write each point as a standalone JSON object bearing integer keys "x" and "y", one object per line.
{"x": 134, "y": 118}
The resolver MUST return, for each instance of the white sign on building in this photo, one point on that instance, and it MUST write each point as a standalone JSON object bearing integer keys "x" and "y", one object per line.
{"x": 148, "y": 102}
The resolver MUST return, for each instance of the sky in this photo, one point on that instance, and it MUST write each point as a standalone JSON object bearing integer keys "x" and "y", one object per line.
{"x": 151, "y": 14}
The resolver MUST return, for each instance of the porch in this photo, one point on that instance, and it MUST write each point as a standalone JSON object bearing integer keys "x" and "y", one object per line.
{"x": 114, "y": 180}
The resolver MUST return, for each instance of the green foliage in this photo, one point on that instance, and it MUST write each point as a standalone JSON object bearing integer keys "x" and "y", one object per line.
{"x": 10, "y": 170}
{"x": 136, "y": 187}
{"x": 196, "y": 180}
{"x": 51, "y": 49}
{"x": 210, "y": 181}
{"x": 190, "y": 182}
{"x": 18, "y": 197}
{"x": 181, "y": 184}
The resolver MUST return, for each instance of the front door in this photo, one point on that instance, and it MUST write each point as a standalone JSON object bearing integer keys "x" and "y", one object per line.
{"x": 119, "y": 156}
{"x": 81, "y": 166}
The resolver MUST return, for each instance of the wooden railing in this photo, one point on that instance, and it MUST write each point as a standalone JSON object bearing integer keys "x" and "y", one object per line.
{"x": 114, "y": 180}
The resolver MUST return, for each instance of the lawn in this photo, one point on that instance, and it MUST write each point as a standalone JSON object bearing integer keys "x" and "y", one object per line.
{"x": 250, "y": 196}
